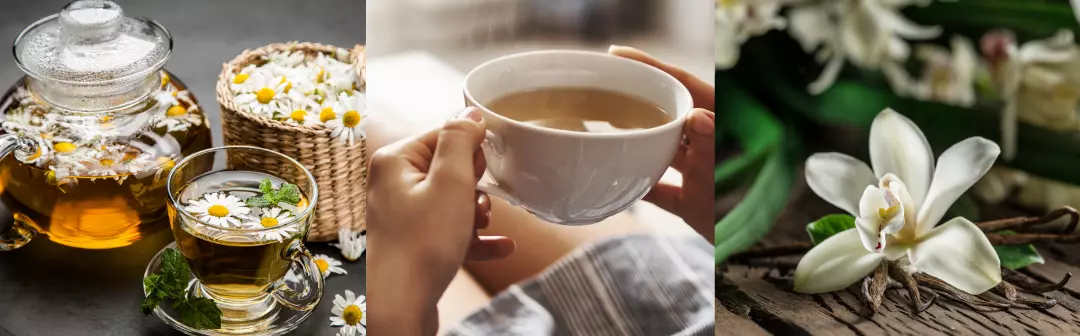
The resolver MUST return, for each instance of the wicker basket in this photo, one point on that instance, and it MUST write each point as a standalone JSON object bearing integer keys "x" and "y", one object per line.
{"x": 339, "y": 170}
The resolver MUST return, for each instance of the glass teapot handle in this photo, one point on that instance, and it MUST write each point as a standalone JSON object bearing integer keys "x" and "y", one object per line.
{"x": 19, "y": 233}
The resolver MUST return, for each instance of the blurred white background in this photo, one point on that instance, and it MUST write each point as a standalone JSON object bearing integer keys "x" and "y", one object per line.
{"x": 420, "y": 50}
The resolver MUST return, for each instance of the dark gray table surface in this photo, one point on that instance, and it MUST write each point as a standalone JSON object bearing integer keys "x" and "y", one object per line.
{"x": 47, "y": 289}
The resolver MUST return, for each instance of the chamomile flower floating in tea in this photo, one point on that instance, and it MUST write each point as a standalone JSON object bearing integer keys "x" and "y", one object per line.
{"x": 270, "y": 219}
{"x": 328, "y": 265}
{"x": 218, "y": 209}
{"x": 351, "y": 244}
{"x": 351, "y": 312}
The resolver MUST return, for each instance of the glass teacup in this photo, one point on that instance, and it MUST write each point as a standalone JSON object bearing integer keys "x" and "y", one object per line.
{"x": 240, "y": 252}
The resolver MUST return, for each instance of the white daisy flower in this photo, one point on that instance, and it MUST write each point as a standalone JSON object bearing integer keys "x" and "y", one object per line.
{"x": 285, "y": 58}
{"x": 265, "y": 92}
{"x": 238, "y": 81}
{"x": 351, "y": 312}
{"x": 20, "y": 120}
{"x": 328, "y": 265}
{"x": 352, "y": 244}
{"x": 298, "y": 109}
{"x": 41, "y": 153}
{"x": 352, "y": 120}
{"x": 271, "y": 218}
{"x": 218, "y": 209}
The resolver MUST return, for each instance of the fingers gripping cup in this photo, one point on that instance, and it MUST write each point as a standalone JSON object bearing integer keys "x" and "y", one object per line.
{"x": 575, "y": 137}
{"x": 241, "y": 230}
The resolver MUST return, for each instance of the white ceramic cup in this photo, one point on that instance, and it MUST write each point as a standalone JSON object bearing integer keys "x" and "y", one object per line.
{"x": 567, "y": 177}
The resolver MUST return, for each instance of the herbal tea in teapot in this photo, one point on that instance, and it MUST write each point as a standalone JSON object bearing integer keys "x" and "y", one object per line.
{"x": 93, "y": 129}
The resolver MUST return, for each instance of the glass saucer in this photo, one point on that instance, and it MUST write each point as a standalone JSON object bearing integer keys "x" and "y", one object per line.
{"x": 281, "y": 321}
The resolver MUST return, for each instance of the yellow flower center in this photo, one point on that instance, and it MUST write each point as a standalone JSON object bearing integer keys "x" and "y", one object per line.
{"x": 106, "y": 119}
{"x": 888, "y": 213}
{"x": 288, "y": 84}
{"x": 175, "y": 111}
{"x": 298, "y": 115}
{"x": 166, "y": 163}
{"x": 264, "y": 95}
{"x": 351, "y": 118}
{"x": 321, "y": 76}
{"x": 50, "y": 177}
{"x": 36, "y": 155}
{"x": 217, "y": 210}
{"x": 164, "y": 79}
{"x": 240, "y": 78}
{"x": 352, "y": 315}
{"x": 64, "y": 147}
{"x": 268, "y": 222}
{"x": 323, "y": 265}
{"x": 107, "y": 162}
{"x": 327, "y": 114}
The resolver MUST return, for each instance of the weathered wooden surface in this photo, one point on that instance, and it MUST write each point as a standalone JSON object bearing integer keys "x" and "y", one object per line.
{"x": 763, "y": 296}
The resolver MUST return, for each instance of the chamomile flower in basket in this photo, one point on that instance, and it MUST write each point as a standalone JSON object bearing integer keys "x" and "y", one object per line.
{"x": 307, "y": 101}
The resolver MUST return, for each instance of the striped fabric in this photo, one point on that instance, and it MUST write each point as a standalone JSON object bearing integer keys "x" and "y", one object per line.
{"x": 630, "y": 285}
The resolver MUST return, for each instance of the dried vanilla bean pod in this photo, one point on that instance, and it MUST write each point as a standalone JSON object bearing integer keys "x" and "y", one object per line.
{"x": 874, "y": 287}
{"x": 952, "y": 293}
{"x": 1027, "y": 284}
{"x": 905, "y": 279}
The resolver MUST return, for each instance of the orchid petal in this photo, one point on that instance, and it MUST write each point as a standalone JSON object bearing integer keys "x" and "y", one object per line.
{"x": 810, "y": 26}
{"x": 1056, "y": 49}
{"x": 897, "y": 146}
{"x": 958, "y": 253}
{"x": 862, "y": 37}
{"x": 869, "y": 224}
{"x": 828, "y": 75}
{"x": 835, "y": 264}
{"x": 838, "y": 179}
{"x": 959, "y": 167}
{"x": 900, "y": 25}
{"x": 898, "y": 193}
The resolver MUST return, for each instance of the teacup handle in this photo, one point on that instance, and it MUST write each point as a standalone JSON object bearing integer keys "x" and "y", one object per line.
{"x": 493, "y": 145}
{"x": 19, "y": 234}
{"x": 308, "y": 297}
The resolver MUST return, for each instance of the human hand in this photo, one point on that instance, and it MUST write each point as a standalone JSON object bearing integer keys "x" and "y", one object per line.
{"x": 423, "y": 216}
{"x": 693, "y": 200}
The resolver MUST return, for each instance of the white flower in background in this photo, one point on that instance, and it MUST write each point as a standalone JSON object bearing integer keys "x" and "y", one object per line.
{"x": 352, "y": 121}
{"x": 298, "y": 109}
{"x": 352, "y": 244}
{"x": 262, "y": 92}
{"x": 947, "y": 77}
{"x": 218, "y": 209}
{"x": 738, "y": 21}
{"x": 898, "y": 206}
{"x": 328, "y": 265}
{"x": 351, "y": 312}
{"x": 868, "y": 33}
{"x": 286, "y": 59}
{"x": 271, "y": 218}
{"x": 1039, "y": 82}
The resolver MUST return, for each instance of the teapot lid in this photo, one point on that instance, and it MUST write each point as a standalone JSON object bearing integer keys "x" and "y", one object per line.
{"x": 92, "y": 48}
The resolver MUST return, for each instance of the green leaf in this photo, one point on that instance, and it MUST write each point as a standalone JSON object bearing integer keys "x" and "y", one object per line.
{"x": 155, "y": 293}
{"x": 754, "y": 216}
{"x": 257, "y": 202}
{"x": 199, "y": 313}
{"x": 266, "y": 185}
{"x": 1017, "y": 256}
{"x": 175, "y": 273}
{"x": 828, "y": 226}
{"x": 289, "y": 193}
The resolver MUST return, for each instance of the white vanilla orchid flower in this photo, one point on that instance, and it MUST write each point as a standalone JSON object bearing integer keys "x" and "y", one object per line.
{"x": 947, "y": 77}
{"x": 738, "y": 21}
{"x": 898, "y": 218}
{"x": 868, "y": 33}
{"x": 1040, "y": 83}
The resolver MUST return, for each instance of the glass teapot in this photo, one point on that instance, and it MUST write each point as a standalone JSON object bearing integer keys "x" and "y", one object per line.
{"x": 90, "y": 133}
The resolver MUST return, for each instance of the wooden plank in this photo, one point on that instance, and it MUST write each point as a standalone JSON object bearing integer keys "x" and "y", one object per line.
{"x": 765, "y": 297}
{"x": 728, "y": 323}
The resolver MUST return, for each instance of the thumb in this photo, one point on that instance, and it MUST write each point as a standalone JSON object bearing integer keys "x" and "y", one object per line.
{"x": 459, "y": 140}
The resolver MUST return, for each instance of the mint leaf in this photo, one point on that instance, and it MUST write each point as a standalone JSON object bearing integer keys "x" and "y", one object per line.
{"x": 828, "y": 226}
{"x": 199, "y": 313}
{"x": 175, "y": 273}
{"x": 289, "y": 193}
{"x": 1017, "y": 256}
{"x": 155, "y": 293}
{"x": 265, "y": 185}
{"x": 257, "y": 202}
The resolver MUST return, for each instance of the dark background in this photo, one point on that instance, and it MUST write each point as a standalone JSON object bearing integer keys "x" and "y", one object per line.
{"x": 47, "y": 289}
